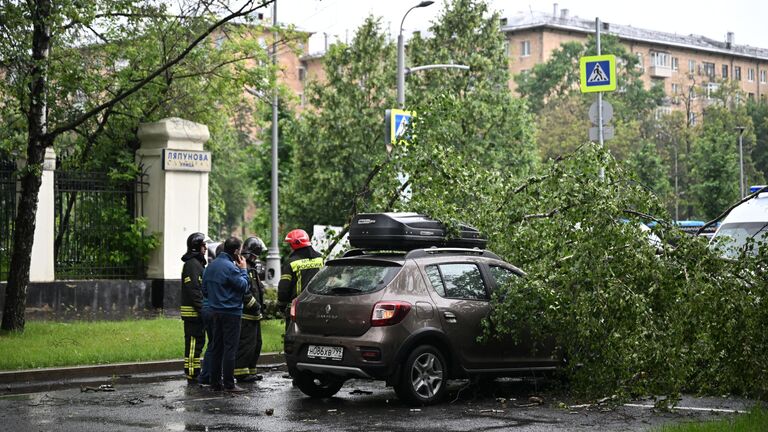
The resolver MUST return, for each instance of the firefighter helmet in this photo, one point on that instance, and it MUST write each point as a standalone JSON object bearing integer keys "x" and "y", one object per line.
{"x": 253, "y": 246}
{"x": 298, "y": 239}
{"x": 195, "y": 241}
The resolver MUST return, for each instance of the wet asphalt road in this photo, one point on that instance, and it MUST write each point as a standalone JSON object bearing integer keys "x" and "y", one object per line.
{"x": 361, "y": 406}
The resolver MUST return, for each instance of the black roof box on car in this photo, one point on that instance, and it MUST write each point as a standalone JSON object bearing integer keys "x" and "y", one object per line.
{"x": 407, "y": 231}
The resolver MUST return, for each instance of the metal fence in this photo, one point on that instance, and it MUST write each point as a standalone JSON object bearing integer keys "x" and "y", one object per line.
{"x": 94, "y": 235}
{"x": 7, "y": 213}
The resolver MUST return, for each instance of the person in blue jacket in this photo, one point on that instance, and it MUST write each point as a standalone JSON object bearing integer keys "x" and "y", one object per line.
{"x": 225, "y": 281}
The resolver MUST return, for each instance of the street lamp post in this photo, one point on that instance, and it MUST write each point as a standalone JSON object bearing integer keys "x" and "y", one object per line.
{"x": 401, "y": 57}
{"x": 273, "y": 253}
{"x": 741, "y": 159}
{"x": 402, "y": 70}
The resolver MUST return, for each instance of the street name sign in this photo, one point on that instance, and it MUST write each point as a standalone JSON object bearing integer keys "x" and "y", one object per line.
{"x": 598, "y": 73}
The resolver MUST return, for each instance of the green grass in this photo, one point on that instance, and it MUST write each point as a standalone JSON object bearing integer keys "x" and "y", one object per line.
{"x": 50, "y": 344}
{"x": 754, "y": 421}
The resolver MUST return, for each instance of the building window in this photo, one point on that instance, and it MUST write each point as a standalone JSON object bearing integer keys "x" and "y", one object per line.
{"x": 692, "y": 118}
{"x": 691, "y": 66}
{"x": 762, "y": 76}
{"x": 302, "y": 99}
{"x": 725, "y": 71}
{"x": 750, "y": 75}
{"x": 662, "y": 111}
{"x": 675, "y": 88}
{"x": 675, "y": 65}
{"x": 737, "y": 73}
{"x": 506, "y": 48}
{"x": 640, "y": 64}
{"x": 220, "y": 39}
{"x": 711, "y": 89}
{"x": 751, "y": 96}
{"x": 302, "y": 73}
{"x": 525, "y": 48}
{"x": 708, "y": 69}
{"x": 660, "y": 59}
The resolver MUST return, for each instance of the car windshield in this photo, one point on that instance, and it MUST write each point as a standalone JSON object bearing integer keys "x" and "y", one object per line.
{"x": 352, "y": 278}
{"x": 733, "y": 238}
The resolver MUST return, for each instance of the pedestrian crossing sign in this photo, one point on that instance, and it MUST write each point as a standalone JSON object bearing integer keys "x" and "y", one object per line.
{"x": 598, "y": 73}
{"x": 398, "y": 125}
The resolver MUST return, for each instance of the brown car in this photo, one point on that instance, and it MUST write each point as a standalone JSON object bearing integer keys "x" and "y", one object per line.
{"x": 409, "y": 318}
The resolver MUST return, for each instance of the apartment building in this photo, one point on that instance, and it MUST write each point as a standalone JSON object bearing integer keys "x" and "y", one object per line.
{"x": 688, "y": 66}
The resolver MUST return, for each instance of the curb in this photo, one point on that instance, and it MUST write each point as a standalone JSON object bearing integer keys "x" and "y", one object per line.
{"x": 29, "y": 380}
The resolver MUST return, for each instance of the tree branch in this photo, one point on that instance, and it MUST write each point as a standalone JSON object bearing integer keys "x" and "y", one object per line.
{"x": 215, "y": 68}
{"x": 243, "y": 11}
{"x": 398, "y": 194}
{"x": 645, "y": 216}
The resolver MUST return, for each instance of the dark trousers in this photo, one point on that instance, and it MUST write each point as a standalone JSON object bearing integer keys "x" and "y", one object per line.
{"x": 205, "y": 376}
{"x": 226, "y": 335}
{"x": 194, "y": 339}
{"x": 249, "y": 349}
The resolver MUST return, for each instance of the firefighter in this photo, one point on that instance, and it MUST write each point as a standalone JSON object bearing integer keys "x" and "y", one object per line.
{"x": 192, "y": 304}
{"x": 249, "y": 349}
{"x": 300, "y": 267}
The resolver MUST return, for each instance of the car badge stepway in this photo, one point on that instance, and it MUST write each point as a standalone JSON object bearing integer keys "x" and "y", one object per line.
{"x": 327, "y": 309}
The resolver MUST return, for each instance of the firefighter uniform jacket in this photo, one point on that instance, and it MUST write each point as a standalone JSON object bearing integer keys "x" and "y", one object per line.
{"x": 253, "y": 300}
{"x": 191, "y": 305}
{"x": 191, "y": 283}
{"x": 300, "y": 267}
{"x": 249, "y": 348}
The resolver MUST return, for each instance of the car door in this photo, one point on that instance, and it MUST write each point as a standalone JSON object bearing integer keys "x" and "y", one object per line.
{"x": 519, "y": 351}
{"x": 461, "y": 295}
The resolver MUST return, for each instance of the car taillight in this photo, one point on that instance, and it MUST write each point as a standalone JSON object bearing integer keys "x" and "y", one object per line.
{"x": 293, "y": 309}
{"x": 389, "y": 313}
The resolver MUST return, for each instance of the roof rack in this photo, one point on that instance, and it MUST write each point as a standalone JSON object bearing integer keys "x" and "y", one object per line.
{"x": 372, "y": 252}
{"x": 420, "y": 253}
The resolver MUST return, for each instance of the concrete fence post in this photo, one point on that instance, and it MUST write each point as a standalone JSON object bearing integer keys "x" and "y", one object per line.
{"x": 176, "y": 201}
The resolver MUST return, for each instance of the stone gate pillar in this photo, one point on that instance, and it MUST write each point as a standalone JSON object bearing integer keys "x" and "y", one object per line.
{"x": 176, "y": 203}
{"x": 42, "y": 267}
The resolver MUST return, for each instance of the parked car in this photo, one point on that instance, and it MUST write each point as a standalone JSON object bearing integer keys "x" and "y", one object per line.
{"x": 745, "y": 227}
{"x": 411, "y": 317}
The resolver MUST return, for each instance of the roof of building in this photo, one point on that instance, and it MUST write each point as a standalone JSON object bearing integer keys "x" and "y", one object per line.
{"x": 532, "y": 20}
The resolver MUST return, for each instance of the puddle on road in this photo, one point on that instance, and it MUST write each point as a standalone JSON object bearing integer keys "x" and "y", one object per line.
{"x": 182, "y": 427}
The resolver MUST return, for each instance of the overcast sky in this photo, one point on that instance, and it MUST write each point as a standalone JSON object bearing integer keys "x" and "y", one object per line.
{"x": 340, "y": 18}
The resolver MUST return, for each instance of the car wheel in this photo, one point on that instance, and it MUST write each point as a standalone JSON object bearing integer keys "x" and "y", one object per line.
{"x": 318, "y": 386}
{"x": 423, "y": 377}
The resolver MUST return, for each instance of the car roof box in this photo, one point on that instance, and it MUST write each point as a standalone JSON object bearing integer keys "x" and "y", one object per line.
{"x": 407, "y": 231}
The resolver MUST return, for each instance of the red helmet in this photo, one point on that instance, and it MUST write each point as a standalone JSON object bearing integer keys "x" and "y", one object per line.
{"x": 298, "y": 239}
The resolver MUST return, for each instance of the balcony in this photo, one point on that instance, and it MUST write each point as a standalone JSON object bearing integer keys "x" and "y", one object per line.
{"x": 660, "y": 71}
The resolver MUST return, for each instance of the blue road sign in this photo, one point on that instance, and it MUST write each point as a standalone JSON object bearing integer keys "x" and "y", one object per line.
{"x": 598, "y": 73}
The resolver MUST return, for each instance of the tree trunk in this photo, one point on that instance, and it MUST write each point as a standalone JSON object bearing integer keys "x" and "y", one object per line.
{"x": 23, "y": 237}
{"x": 31, "y": 178}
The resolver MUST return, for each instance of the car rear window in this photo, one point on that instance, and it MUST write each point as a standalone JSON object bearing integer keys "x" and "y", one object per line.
{"x": 352, "y": 278}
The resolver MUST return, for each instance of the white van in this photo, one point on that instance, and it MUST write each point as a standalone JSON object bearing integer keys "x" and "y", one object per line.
{"x": 747, "y": 221}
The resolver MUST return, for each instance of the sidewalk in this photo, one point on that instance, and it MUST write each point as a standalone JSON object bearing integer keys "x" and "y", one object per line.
{"x": 37, "y": 380}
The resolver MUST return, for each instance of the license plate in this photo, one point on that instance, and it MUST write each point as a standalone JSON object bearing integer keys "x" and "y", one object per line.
{"x": 325, "y": 352}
